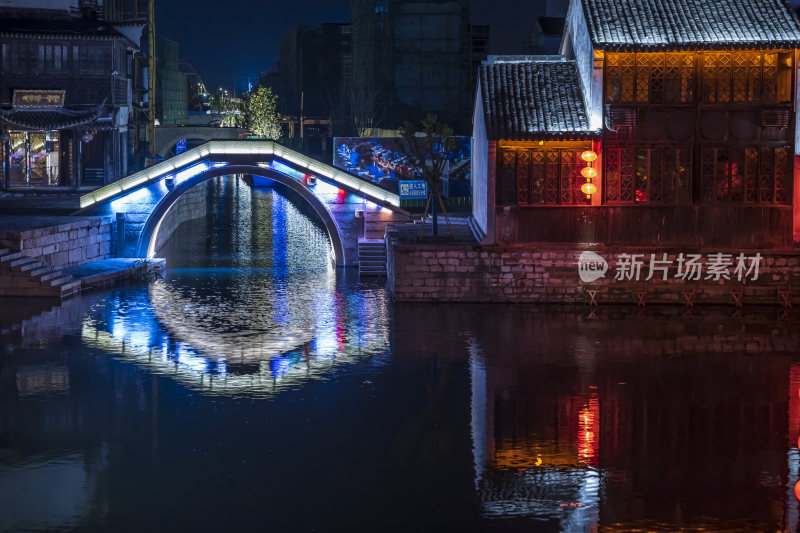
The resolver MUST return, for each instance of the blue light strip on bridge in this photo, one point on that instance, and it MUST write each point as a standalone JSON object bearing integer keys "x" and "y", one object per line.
{"x": 255, "y": 148}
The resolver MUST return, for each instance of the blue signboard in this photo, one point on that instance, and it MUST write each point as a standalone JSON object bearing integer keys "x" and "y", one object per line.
{"x": 413, "y": 189}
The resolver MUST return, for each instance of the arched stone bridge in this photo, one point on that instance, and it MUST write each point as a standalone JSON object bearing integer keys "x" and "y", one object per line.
{"x": 143, "y": 199}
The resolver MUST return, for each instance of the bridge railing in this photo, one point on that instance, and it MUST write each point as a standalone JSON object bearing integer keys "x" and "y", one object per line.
{"x": 269, "y": 149}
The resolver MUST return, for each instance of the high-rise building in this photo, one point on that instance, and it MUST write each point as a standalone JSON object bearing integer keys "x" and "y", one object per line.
{"x": 312, "y": 79}
{"x": 172, "y": 95}
{"x": 414, "y": 58}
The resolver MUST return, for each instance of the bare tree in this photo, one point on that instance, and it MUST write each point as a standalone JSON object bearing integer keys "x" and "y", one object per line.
{"x": 427, "y": 147}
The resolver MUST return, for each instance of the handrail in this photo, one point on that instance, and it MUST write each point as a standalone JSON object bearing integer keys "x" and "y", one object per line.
{"x": 239, "y": 147}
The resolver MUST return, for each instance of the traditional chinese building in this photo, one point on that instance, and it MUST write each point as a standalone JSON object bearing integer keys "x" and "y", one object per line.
{"x": 67, "y": 80}
{"x": 684, "y": 113}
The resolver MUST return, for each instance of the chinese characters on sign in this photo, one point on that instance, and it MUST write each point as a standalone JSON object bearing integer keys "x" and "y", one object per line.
{"x": 689, "y": 267}
{"x": 33, "y": 98}
{"x": 413, "y": 189}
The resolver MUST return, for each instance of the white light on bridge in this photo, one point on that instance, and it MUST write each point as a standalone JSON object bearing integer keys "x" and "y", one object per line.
{"x": 132, "y": 197}
{"x": 159, "y": 170}
{"x": 190, "y": 172}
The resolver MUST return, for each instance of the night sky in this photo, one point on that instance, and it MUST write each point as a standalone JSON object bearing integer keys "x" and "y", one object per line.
{"x": 227, "y": 41}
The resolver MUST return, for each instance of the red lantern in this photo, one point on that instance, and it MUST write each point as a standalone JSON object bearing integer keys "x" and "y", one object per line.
{"x": 588, "y": 188}
{"x": 588, "y": 172}
{"x": 588, "y": 156}
{"x": 797, "y": 490}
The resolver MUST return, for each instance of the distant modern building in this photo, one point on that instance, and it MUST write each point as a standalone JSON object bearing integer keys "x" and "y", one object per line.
{"x": 67, "y": 99}
{"x": 172, "y": 96}
{"x": 312, "y": 80}
{"x": 414, "y": 58}
{"x": 686, "y": 114}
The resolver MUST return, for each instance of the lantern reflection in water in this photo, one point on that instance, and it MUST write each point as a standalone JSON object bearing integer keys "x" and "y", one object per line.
{"x": 532, "y": 459}
{"x": 588, "y": 432}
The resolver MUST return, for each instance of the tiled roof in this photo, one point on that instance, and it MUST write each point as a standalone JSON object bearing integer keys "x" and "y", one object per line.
{"x": 48, "y": 118}
{"x": 530, "y": 97}
{"x": 691, "y": 24}
{"x": 70, "y": 27}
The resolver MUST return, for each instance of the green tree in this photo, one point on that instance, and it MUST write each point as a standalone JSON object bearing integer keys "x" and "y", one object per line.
{"x": 427, "y": 147}
{"x": 261, "y": 113}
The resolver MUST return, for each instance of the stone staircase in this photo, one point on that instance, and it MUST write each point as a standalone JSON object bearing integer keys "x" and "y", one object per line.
{"x": 27, "y": 276}
{"x": 371, "y": 258}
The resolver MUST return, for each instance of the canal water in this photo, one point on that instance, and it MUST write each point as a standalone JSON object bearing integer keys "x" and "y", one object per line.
{"x": 258, "y": 389}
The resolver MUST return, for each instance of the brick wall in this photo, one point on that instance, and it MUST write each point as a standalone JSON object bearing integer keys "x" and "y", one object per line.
{"x": 64, "y": 245}
{"x": 549, "y": 274}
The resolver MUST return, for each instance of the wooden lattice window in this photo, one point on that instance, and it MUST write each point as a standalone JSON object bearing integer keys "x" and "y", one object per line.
{"x": 620, "y": 76}
{"x": 654, "y": 78}
{"x": 783, "y": 173}
{"x": 747, "y": 77}
{"x": 745, "y": 174}
{"x": 644, "y": 68}
{"x": 541, "y": 176}
{"x": 770, "y": 78}
{"x": 523, "y": 177}
{"x": 552, "y": 183}
{"x": 648, "y": 174}
{"x": 717, "y": 77}
{"x": 508, "y": 176}
{"x": 750, "y": 175}
{"x": 618, "y": 174}
{"x": 679, "y": 78}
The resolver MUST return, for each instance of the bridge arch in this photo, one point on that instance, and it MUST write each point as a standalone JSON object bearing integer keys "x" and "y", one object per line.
{"x": 147, "y": 237}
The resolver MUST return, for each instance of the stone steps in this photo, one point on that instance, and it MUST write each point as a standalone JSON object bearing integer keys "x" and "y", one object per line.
{"x": 371, "y": 258}
{"x": 21, "y": 275}
{"x": 7, "y": 256}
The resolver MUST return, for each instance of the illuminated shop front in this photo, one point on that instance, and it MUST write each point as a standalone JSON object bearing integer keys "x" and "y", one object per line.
{"x": 35, "y": 158}
{"x": 51, "y": 147}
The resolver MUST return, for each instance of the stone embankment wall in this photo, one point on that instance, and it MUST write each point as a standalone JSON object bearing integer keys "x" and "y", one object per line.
{"x": 549, "y": 274}
{"x": 64, "y": 245}
{"x": 192, "y": 205}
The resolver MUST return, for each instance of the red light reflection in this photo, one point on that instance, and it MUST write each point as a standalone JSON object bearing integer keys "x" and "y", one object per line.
{"x": 589, "y": 432}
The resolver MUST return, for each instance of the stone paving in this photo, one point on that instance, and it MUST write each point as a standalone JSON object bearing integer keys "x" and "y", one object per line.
{"x": 410, "y": 233}
{"x": 14, "y": 224}
{"x": 111, "y": 271}
{"x": 60, "y": 204}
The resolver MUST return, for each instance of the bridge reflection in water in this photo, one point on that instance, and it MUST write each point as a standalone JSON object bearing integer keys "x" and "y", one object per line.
{"x": 272, "y": 322}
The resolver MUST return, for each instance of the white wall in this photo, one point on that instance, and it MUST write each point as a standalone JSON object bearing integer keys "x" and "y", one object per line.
{"x": 578, "y": 46}
{"x": 480, "y": 207}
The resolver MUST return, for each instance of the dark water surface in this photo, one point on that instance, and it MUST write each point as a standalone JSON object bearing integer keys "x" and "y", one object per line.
{"x": 257, "y": 389}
